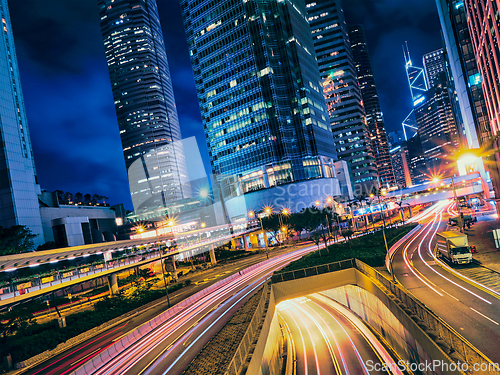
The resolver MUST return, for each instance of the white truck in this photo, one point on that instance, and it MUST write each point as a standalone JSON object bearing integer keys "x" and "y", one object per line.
{"x": 454, "y": 247}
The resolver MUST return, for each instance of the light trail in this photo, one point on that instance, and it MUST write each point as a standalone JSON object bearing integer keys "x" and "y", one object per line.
{"x": 437, "y": 221}
{"x": 327, "y": 340}
{"x": 136, "y": 352}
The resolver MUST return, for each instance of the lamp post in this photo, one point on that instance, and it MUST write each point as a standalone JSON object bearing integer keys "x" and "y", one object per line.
{"x": 141, "y": 230}
{"x": 383, "y": 232}
{"x": 284, "y": 212}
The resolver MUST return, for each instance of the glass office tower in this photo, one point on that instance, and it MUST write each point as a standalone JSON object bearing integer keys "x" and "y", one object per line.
{"x": 144, "y": 102}
{"x": 434, "y": 63}
{"x": 371, "y": 102}
{"x": 436, "y": 127}
{"x": 341, "y": 90}
{"x": 259, "y": 91}
{"x": 18, "y": 184}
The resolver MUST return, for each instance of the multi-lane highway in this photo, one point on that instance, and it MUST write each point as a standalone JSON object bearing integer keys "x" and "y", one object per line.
{"x": 470, "y": 308}
{"x": 325, "y": 339}
{"x": 172, "y": 345}
{"x": 67, "y": 361}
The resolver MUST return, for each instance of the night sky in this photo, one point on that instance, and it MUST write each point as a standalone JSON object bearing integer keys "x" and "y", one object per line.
{"x": 68, "y": 97}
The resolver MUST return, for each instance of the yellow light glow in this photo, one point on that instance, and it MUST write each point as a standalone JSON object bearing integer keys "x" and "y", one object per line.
{"x": 468, "y": 159}
{"x": 203, "y": 225}
{"x": 251, "y": 214}
{"x": 139, "y": 229}
{"x": 317, "y": 203}
{"x": 285, "y": 211}
{"x": 329, "y": 200}
{"x": 267, "y": 210}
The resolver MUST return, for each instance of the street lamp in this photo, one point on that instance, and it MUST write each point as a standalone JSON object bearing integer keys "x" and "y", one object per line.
{"x": 141, "y": 230}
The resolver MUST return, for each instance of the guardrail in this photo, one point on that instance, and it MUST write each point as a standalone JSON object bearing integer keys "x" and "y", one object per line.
{"x": 249, "y": 336}
{"x": 433, "y": 324}
{"x": 313, "y": 271}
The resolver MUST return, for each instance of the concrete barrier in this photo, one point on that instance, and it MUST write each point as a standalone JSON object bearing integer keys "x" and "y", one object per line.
{"x": 436, "y": 340}
{"x": 247, "y": 342}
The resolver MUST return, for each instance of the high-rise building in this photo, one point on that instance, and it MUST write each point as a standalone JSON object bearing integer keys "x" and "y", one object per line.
{"x": 483, "y": 21}
{"x": 434, "y": 63}
{"x": 464, "y": 69}
{"x": 19, "y": 188}
{"x": 416, "y": 161}
{"x": 144, "y": 102}
{"x": 395, "y": 138}
{"x": 341, "y": 90}
{"x": 374, "y": 118}
{"x": 418, "y": 86}
{"x": 436, "y": 127}
{"x": 259, "y": 91}
{"x": 402, "y": 174}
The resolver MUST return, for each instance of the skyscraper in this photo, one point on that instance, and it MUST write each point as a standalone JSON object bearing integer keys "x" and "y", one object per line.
{"x": 341, "y": 89}
{"x": 400, "y": 156}
{"x": 484, "y": 30}
{"x": 259, "y": 91}
{"x": 464, "y": 69}
{"x": 144, "y": 102}
{"x": 418, "y": 86}
{"x": 19, "y": 188}
{"x": 434, "y": 63}
{"x": 436, "y": 126}
{"x": 371, "y": 102}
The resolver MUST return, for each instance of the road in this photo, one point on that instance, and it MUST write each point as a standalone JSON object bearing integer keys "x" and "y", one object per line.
{"x": 471, "y": 309}
{"x": 195, "y": 316}
{"x": 325, "y": 341}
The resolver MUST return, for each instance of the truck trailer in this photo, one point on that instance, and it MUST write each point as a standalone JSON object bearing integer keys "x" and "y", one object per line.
{"x": 454, "y": 247}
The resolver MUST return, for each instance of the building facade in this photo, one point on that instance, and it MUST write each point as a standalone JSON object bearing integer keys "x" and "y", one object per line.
{"x": 259, "y": 91}
{"x": 374, "y": 118}
{"x": 144, "y": 102}
{"x": 434, "y": 63}
{"x": 342, "y": 91}
{"x": 465, "y": 72}
{"x": 483, "y": 21}
{"x": 19, "y": 188}
{"x": 399, "y": 156}
{"x": 436, "y": 127}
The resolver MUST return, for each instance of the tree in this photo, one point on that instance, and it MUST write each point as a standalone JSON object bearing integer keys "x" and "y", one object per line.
{"x": 16, "y": 240}
{"x": 87, "y": 198}
{"x": 78, "y": 197}
{"x": 19, "y": 318}
{"x": 347, "y": 234}
{"x": 96, "y": 198}
{"x": 317, "y": 240}
{"x": 272, "y": 225}
{"x": 68, "y": 197}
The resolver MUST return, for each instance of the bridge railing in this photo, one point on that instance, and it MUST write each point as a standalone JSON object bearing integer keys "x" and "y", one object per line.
{"x": 15, "y": 288}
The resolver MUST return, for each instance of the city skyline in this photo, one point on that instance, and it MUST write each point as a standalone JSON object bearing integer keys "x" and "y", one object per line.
{"x": 77, "y": 64}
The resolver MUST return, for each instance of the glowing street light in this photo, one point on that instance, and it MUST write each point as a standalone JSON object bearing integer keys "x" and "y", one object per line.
{"x": 203, "y": 225}
{"x": 317, "y": 203}
{"x": 141, "y": 230}
{"x": 251, "y": 214}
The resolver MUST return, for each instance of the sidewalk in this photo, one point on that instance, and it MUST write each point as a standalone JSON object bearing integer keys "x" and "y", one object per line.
{"x": 481, "y": 236}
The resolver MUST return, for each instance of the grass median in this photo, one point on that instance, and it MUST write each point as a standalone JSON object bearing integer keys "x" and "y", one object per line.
{"x": 369, "y": 248}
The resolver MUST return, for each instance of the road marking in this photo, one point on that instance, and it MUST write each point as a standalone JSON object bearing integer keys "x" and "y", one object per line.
{"x": 484, "y": 316}
{"x": 88, "y": 355}
{"x": 450, "y": 295}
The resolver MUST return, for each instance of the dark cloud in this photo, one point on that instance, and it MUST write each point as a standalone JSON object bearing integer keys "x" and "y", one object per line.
{"x": 68, "y": 97}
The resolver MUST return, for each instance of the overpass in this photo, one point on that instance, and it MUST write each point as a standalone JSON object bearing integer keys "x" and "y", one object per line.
{"x": 113, "y": 258}
{"x": 440, "y": 190}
